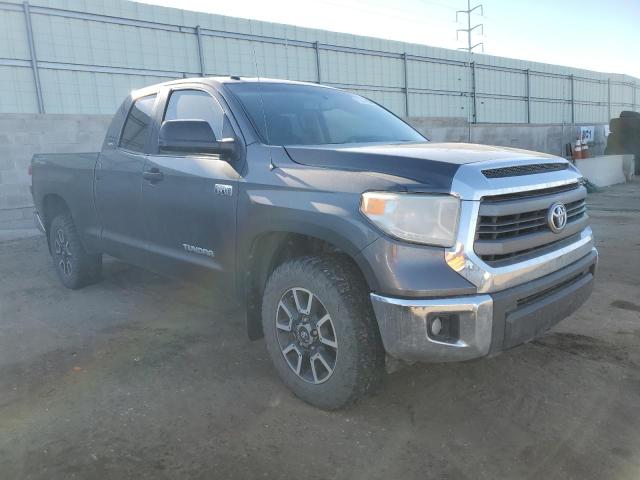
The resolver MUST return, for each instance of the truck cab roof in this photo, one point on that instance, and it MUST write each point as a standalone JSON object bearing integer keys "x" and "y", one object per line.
{"x": 217, "y": 81}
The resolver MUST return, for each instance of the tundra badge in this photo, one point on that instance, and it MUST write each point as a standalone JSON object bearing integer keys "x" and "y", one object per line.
{"x": 199, "y": 250}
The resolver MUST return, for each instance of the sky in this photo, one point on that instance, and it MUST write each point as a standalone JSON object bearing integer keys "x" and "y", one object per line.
{"x": 601, "y": 35}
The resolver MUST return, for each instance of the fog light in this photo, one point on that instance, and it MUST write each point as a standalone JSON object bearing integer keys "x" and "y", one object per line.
{"x": 436, "y": 326}
{"x": 445, "y": 327}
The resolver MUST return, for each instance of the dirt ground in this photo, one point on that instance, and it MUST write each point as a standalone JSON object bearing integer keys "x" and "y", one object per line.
{"x": 142, "y": 377}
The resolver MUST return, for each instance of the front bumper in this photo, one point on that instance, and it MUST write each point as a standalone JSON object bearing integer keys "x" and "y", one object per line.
{"x": 484, "y": 324}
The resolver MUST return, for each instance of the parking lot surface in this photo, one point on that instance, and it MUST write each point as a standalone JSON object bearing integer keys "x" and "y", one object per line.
{"x": 143, "y": 377}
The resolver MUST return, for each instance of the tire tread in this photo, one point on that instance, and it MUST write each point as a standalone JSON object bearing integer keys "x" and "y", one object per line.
{"x": 340, "y": 271}
{"x": 89, "y": 267}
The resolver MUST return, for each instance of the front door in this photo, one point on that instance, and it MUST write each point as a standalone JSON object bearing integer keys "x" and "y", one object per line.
{"x": 189, "y": 202}
{"x": 118, "y": 184}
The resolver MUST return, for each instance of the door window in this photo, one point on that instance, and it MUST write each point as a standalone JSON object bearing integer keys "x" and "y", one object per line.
{"x": 195, "y": 105}
{"x": 136, "y": 126}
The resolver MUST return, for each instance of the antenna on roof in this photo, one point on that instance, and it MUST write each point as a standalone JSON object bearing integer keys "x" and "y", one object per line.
{"x": 264, "y": 114}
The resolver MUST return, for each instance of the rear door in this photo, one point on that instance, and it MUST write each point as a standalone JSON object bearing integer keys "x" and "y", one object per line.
{"x": 118, "y": 183}
{"x": 189, "y": 201}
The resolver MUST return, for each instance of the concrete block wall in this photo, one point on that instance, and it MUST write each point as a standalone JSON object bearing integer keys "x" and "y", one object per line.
{"x": 541, "y": 138}
{"x": 547, "y": 138}
{"x": 22, "y": 135}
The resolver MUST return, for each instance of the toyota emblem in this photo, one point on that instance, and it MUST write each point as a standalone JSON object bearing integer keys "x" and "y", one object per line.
{"x": 557, "y": 217}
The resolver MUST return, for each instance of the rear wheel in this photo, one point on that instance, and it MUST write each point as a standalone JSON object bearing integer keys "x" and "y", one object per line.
{"x": 320, "y": 330}
{"x": 74, "y": 266}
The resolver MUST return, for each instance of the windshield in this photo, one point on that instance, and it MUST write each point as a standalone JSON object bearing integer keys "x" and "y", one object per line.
{"x": 309, "y": 115}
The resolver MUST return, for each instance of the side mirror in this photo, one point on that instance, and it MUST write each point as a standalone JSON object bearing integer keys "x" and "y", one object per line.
{"x": 193, "y": 136}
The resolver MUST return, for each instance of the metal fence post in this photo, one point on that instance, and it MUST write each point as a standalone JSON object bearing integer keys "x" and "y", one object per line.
{"x": 34, "y": 59}
{"x": 316, "y": 46}
{"x": 573, "y": 103}
{"x": 528, "y": 80}
{"x": 474, "y": 109}
{"x": 635, "y": 91}
{"x": 406, "y": 85}
{"x": 200, "y": 52}
{"x": 608, "y": 98}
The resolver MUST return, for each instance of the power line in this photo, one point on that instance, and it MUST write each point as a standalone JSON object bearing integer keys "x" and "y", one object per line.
{"x": 469, "y": 30}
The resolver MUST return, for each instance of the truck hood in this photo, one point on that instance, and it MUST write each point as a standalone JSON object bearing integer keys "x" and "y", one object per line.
{"x": 431, "y": 164}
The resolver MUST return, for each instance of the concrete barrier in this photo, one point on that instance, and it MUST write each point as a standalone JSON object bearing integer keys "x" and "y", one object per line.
{"x": 607, "y": 170}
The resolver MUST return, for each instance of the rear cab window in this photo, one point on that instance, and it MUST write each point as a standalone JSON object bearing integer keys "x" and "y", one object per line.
{"x": 137, "y": 125}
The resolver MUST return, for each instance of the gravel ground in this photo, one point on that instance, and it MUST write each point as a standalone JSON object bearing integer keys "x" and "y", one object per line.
{"x": 142, "y": 377}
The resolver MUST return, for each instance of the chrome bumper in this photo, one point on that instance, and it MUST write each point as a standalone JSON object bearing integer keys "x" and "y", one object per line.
{"x": 485, "y": 323}
{"x": 404, "y": 327}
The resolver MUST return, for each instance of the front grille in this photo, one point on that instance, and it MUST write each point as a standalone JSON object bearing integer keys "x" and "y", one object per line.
{"x": 518, "y": 170}
{"x": 498, "y": 260}
{"x": 511, "y": 227}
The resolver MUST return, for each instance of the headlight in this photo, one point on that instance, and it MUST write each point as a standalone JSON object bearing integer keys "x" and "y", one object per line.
{"x": 419, "y": 218}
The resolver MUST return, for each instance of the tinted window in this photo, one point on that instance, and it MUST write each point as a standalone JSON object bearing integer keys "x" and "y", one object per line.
{"x": 136, "y": 127}
{"x": 195, "y": 105}
{"x": 309, "y": 115}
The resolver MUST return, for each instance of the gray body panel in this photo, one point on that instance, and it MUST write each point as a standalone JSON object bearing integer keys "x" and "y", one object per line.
{"x": 69, "y": 176}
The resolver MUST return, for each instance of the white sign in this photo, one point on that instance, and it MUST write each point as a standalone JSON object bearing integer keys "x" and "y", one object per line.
{"x": 587, "y": 134}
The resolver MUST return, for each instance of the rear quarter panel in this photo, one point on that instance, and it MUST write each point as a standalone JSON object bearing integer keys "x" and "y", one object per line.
{"x": 70, "y": 177}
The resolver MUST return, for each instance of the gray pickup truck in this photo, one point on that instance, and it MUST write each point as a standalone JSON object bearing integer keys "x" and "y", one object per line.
{"x": 346, "y": 237}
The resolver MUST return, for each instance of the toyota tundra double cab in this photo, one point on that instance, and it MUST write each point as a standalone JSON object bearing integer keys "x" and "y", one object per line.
{"x": 347, "y": 238}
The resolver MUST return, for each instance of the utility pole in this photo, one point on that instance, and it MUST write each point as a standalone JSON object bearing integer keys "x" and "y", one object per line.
{"x": 469, "y": 48}
{"x": 472, "y": 65}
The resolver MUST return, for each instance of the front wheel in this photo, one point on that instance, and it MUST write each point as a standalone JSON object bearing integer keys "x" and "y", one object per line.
{"x": 74, "y": 266}
{"x": 320, "y": 330}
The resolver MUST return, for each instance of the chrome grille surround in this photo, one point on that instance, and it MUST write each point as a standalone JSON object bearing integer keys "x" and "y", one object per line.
{"x": 472, "y": 186}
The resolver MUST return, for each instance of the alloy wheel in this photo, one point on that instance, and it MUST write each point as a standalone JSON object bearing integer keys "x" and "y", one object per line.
{"x": 306, "y": 335}
{"x": 63, "y": 252}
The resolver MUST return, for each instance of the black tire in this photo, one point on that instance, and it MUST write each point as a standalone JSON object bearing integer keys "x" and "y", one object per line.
{"x": 339, "y": 288}
{"x": 74, "y": 266}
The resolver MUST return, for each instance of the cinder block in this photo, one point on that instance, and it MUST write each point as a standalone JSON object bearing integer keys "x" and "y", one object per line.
{"x": 27, "y": 213}
{"x": 23, "y": 138}
{"x": 16, "y": 176}
{"x": 6, "y": 162}
{"x": 12, "y": 123}
{"x": 16, "y": 201}
{"x": 7, "y": 214}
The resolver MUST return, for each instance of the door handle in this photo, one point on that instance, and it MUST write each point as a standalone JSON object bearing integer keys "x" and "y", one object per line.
{"x": 153, "y": 175}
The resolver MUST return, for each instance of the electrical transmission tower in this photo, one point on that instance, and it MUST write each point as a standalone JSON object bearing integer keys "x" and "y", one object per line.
{"x": 469, "y": 48}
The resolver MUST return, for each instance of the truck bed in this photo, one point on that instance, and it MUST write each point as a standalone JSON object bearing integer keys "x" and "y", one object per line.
{"x": 67, "y": 176}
